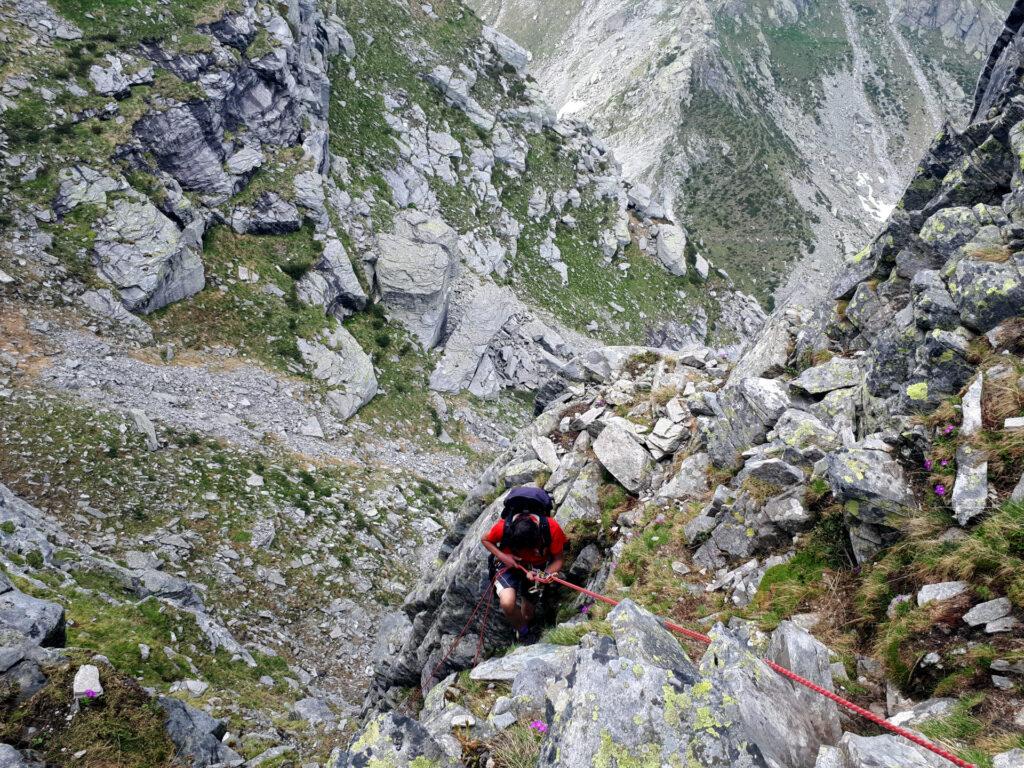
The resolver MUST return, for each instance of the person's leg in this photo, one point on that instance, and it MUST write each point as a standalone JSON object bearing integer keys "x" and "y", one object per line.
{"x": 507, "y": 601}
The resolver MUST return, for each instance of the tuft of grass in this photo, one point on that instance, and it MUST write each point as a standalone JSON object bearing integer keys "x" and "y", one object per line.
{"x": 516, "y": 747}
{"x": 244, "y": 315}
{"x": 571, "y": 634}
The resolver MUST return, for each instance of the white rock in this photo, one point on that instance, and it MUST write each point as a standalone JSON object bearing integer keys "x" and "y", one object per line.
{"x": 945, "y": 590}
{"x": 971, "y": 405}
{"x": 87, "y": 682}
{"x": 992, "y": 610}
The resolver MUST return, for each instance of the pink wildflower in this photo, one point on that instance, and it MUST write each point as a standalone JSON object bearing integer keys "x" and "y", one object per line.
{"x": 945, "y": 462}
{"x": 940, "y": 489}
{"x": 91, "y": 694}
{"x": 539, "y": 726}
{"x": 928, "y": 464}
{"x": 585, "y": 608}
{"x": 948, "y": 429}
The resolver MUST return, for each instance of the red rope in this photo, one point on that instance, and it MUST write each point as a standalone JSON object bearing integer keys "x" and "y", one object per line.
{"x": 787, "y": 673}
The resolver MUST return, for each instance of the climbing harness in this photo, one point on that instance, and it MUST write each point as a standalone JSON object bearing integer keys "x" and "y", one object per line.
{"x": 881, "y": 722}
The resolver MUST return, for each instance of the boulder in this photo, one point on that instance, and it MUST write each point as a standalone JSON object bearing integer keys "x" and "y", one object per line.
{"x": 624, "y": 458}
{"x": 490, "y": 308}
{"x": 798, "y": 651}
{"x": 690, "y": 481}
{"x": 507, "y": 49}
{"x": 196, "y": 735}
{"x": 332, "y": 283}
{"x": 887, "y": 751}
{"x": 946, "y": 590}
{"x": 837, "y": 373}
{"x": 344, "y": 367}
{"x": 671, "y": 248}
{"x": 12, "y": 758}
{"x": 186, "y": 142}
{"x": 415, "y": 267}
{"x": 989, "y": 611}
{"x": 146, "y": 257}
{"x": 270, "y": 214}
{"x": 986, "y": 292}
{"x": 506, "y": 668}
{"x": 871, "y": 486}
{"x": 39, "y": 621}
{"x": 393, "y": 740}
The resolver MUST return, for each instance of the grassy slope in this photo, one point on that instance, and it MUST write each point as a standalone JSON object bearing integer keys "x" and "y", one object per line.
{"x": 60, "y": 454}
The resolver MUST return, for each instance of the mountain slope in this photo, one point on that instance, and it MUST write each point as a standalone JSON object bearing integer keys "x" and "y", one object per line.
{"x": 776, "y": 130}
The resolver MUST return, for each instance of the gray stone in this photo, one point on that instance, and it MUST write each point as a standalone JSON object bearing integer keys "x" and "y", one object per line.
{"x": 971, "y": 405}
{"x": 146, "y": 257}
{"x": 455, "y": 88}
{"x": 626, "y": 460}
{"x": 886, "y": 751}
{"x": 332, "y": 283}
{"x": 945, "y": 590}
{"x": 970, "y": 491}
{"x": 926, "y": 710}
{"x": 343, "y": 366}
{"x": 12, "y": 758}
{"x": 772, "y": 471}
{"x": 789, "y": 514}
{"x": 196, "y": 735}
{"x": 508, "y": 50}
{"x": 270, "y": 214}
{"x": 1012, "y": 759}
{"x": 523, "y": 472}
{"x": 463, "y": 363}
{"x": 671, "y": 249}
{"x": 690, "y": 481}
{"x": 40, "y": 621}
{"x": 86, "y": 684}
{"x": 145, "y": 428}
{"x": 641, "y": 636}
{"x": 415, "y": 268}
{"x": 103, "y": 303}
{"x": 992, "y": 610}
{"x": 506, "y": 668}
{"x": 798, "y": 651}
{"x": 837, "y": 373}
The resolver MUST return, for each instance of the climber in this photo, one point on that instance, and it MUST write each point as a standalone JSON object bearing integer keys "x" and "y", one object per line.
{"x": 526, "y": 545}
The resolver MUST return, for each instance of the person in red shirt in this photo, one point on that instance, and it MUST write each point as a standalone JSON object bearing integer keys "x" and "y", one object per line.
{"x": 525, "y": 536}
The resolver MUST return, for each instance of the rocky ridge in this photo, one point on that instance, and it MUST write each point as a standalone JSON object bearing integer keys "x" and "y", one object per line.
{"x": 827, "y": 105}
{"x": 860, "y": 440}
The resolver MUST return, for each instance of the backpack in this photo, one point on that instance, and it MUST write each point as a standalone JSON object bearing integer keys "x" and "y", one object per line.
{"x": 528, "y": 500}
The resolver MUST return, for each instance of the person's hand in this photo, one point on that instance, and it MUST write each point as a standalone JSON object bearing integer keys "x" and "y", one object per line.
{"x": 533, "y": 575}
{"x": 545, "y": 578}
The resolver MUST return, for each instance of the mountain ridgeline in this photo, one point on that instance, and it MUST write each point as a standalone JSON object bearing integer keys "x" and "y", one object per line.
{"x": 780, "y": 133}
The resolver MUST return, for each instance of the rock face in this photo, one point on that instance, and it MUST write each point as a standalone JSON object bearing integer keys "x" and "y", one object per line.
{"x": 344, "y": 367}
{"x": 415, "y": 268}
{"x": 39, "y": 621}
{"x": 146, "y": 257}
{"x": 636, "y": 696}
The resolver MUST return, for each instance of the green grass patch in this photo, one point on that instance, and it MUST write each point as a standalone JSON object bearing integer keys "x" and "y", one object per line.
{"x": 232, "y": 312}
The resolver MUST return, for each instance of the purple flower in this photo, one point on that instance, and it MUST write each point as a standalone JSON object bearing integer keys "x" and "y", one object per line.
{"x": 940, "y": 489}
{"x": 539, "y": 726}
{"x": 948, "y": 429}
{"x": 928, "y": 464}
{"x": 945, "y": 462}
{"x": 585, "y": 608}
{"x": 91, "y": 694}
{"x": 659, "y": 519}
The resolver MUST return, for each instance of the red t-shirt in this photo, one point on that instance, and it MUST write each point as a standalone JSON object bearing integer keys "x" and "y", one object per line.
{"x": 536, "y": 558}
